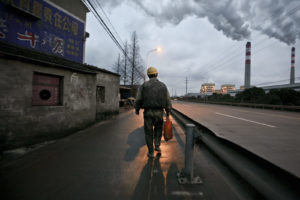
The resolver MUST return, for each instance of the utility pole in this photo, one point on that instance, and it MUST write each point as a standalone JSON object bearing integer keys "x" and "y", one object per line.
{"x": 186, "y": 85}
{"x": 125, "y": 62}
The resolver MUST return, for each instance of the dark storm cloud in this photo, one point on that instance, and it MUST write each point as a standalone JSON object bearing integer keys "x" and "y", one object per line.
{"x": 222, "y": 14}
{"x": 278, "y": 19}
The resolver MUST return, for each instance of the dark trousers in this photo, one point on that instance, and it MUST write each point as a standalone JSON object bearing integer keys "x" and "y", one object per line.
{"x": 153, "y": 124}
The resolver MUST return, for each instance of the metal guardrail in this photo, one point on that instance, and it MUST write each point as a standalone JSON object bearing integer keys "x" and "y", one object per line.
{"x": 186, "y": 176}
{"x": 270, "y": 181}
{"x": 252, "y": 105}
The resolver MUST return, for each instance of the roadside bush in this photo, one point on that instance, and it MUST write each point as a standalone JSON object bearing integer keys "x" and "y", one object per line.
{"x": 257, "y": 96}
{"x": 220, "y": 97}
{"x": 251, "y": 95}
{"x": 286, "y": 96}
{"x": 273, "y": 99}
{"x": 289, "y": 96}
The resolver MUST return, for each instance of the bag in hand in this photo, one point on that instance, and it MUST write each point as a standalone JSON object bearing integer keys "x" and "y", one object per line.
{"x": 168, "y": 133}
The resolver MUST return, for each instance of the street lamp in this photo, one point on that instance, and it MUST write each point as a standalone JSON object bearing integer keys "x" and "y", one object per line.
{"x": 157, "y": 49}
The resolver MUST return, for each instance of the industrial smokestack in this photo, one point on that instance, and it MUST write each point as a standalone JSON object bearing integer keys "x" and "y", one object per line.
{"x": 292, "y": 77}
{"x": 248, "y": 65}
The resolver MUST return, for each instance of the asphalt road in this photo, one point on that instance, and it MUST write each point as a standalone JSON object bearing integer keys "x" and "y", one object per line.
{"x": 273, "y": 135}
{"x": 109, "y": 161}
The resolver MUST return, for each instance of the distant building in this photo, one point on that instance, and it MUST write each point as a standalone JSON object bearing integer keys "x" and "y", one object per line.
{"x": 227, "y": 88}
{"x": 132, "y": 91}
{"x": 242, "y": 87}
{"x": 125, "y": 92}
{"x": 207, "y": 88}
{"x": 218, "y": 92}
{"x": 295, "y": 87}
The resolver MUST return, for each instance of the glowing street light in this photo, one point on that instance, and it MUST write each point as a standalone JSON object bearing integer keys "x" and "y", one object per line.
{"x": 157, "y": 49}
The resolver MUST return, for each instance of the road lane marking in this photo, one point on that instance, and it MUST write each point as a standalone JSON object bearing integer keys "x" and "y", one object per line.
{"x": 186, "y": 193}
{"x": 268, "y": 114}
{"x": 247, "y": 120}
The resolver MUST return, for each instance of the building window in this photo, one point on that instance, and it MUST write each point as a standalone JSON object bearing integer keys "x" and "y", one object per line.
{"x": 46, "y": 90}
{"x": 100, "y": 94}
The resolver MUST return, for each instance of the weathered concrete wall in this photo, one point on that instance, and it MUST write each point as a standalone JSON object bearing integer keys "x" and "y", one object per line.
{"x": 23, "y": 124}
{"x": 111, "y": 104}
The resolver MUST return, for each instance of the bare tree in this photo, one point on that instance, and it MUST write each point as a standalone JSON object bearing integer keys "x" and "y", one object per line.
{"x": 136, "y": 68}
{"x": 129, "y": 66}
{"x": 124, "y": 65}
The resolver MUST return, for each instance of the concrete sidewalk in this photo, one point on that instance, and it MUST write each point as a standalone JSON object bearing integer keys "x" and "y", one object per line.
{"x": 108, "y": 161}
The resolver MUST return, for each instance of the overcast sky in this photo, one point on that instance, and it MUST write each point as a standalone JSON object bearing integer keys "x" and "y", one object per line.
{"x": 202, "y": 40}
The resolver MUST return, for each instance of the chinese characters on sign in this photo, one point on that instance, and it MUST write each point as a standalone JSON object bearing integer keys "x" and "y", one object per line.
{"x": 50, "y": 30}
{"x": 3, "y": 29}
{"x": 32, "y": 38}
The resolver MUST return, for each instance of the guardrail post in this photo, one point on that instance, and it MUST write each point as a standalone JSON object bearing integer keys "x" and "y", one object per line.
{"x": 187, "y": 173}
{"x": 189, "y": 150}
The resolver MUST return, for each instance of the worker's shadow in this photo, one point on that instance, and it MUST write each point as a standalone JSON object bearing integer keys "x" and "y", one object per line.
{"x": 152, "y": 184}
{"x": 136, "y": 140}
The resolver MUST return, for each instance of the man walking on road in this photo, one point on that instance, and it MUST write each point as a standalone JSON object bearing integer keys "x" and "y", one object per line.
{"x": 154, "y": 97}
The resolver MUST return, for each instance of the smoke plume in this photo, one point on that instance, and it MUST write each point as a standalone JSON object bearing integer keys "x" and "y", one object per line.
{"x": 236, "y": 19}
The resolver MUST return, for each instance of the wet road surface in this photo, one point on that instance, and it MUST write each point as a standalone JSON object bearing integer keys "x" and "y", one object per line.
{"x": 109, "y": 161}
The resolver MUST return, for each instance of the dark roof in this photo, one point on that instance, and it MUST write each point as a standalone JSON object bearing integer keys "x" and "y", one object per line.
{"x": 100, "y": 69}
{"x": 11, "y": 51}
{"x": 124, "y": 88}
{"x": 131, "y": 86}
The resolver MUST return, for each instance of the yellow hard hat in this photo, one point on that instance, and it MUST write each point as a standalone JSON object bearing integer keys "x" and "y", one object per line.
{"x": 151, "y": 71}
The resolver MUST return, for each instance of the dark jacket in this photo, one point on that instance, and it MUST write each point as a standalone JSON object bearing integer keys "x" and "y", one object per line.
{"x": 153, "y": 94}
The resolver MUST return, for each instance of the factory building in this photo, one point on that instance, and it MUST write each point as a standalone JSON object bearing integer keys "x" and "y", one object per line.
{"x": 227, "y": 88}
{"x": 207, "y": 88}
{"x": 46, "y": 90}
{"x": 218, "y": 91}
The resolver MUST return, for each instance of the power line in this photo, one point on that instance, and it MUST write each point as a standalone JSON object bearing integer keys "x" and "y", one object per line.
{"x": 222, "y": 55}
{"x": 289, "y": 13}
{"x": 107, "y": 18}
{"x": 105, "y": 27}
{"x": 228, "y": 60}
{"x": 267, "y": 83}
{"x": 91, "y": 7}
{"x": 235, "y": 56}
